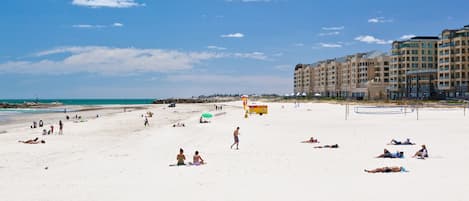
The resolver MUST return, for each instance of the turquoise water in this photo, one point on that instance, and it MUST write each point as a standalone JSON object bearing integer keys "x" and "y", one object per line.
{"x": 84, "y": 101}
{"x": 8, "y": 112}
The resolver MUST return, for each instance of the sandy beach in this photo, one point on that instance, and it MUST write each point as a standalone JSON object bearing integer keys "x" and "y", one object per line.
{"x": 114, "y": 157}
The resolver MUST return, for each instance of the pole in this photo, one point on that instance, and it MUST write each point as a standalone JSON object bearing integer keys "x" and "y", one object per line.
{"x": 348, "y": 110}
{"x": 346, "y": 105}
{"x": 417, "y": 111}
{"x": 464, "y": 109}
{"x": 405, "y": 110}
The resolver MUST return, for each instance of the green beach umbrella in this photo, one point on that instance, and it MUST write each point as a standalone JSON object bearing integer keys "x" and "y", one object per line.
{"x": 207, "y": 115}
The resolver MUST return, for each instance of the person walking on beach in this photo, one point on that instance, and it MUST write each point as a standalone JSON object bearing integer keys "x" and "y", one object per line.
{"x": 61, "y": 127}
{"x": 146, "y": 122}
{"x": 51, "y": 129}
{"x": 236, "y": 138}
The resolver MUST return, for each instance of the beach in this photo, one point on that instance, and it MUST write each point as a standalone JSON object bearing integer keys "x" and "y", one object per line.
{"x": 115, "y": 157}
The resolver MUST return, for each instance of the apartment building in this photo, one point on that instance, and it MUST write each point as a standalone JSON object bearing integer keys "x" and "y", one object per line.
{"x": 413, "y": 72}
{"x": 453, "y": 63}
{"x": 423, "y": 67}
{"x": 360, "y": 76}
{"x": 362, "y": 72}
{"x": 303, "y": 79}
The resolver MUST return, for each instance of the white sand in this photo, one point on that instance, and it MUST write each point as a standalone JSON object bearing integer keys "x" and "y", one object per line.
{"x": 115, "y": 158}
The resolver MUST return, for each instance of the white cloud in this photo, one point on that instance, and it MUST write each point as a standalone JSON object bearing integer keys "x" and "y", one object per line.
{"x": 252, "y": 55}
{"x": 407, "y": 37}
{"x": 232, "y": 35}
{"x": 108, "y": 60}
{"x": 213, "y": 47}
{"x": 333, "y": 28}
{"x": 278, "y": 54}
{"x": 107, "y": 3}
{"x": 96, "y": 26}
{"x": 372, "y": 40}
{"x": 330, "y": 45}
{"x": 230, "y": 79}
{"x": 379, "y": 20}
{"x": 299, "y": 44}
{"x": 249, "y": 1}
{"x": 333, "y": 33}
{"x": 117, "y": 24}
{"x": 284, "y": 67}
{"x": 229, "y": 83}
{"x": 87, "y": 26}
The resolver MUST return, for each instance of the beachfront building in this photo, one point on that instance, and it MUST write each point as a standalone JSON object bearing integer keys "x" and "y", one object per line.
{"x": 364, "y": 76}
{"x": 326, "y": 75}
{"x": 413, "y": 72}
{"x": 359, "y": 76}
{"x": 453, "y": 62}
{"x": 303, "y": 80}
{"x": 379, "y": 77}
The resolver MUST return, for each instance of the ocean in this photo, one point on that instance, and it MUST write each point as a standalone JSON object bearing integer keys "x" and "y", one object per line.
{"x": 8, "y": 112}
{"x": 84, "y": 101}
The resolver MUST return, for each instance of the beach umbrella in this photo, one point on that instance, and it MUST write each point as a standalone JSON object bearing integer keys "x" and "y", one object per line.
{"x": 207, "y": 115}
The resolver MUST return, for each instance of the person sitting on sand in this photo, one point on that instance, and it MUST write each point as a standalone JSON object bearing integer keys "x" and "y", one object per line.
{"x": 388, "y": 154}
{"x": 180, "y": 157}
{"x": 202, "y": 120}
{"x": 33, "y": 141}
{"x": 406, "y": 142}
{"x": 387, "y": 170}
{"x": 422, "y": 153}
{"x": 44, "y": 132}
{"x": 334, "y": 146}
{"x": 311, "y": 140}
{"x": 197, "y": 160}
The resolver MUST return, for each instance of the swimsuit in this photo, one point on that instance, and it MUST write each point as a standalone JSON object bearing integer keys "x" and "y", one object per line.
{"x": 236, "y": 138}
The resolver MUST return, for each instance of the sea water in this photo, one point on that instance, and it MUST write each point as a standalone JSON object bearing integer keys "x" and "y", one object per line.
{"x": 82, "y": 101}
{"x": 5, "y": 113}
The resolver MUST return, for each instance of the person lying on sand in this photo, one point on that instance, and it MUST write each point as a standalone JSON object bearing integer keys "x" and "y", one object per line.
{"x": 197, "y": 160}
{"x": 387, "y": 170}
{"x": 311, "y": 140}
{"x": 33, "y": 141}
{"x": 334, "y": 146}
{"x": 180, "y": 157}
{"x": 406, "y": 142}
{"x": 388, "y": 154}
{"x": 422, "y": 153}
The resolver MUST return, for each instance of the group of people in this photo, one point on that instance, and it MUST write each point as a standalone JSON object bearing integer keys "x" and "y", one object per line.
{"x": 179, "y": 124}
{"x": 218, "y": 107}
{"x": 313, "y": 140}
{"x": 196, "y": 159}
{"x": 75, "y": 117}
{"x": 51, "y": 130}
{"x": 421, "y": 154}
{"x": 35, "y": 124}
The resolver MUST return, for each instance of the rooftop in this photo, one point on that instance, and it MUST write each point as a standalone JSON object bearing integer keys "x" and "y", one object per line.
{"x": 425, "y": 38}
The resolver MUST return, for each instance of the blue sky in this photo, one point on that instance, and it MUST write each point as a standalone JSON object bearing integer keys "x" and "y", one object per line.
{"x": 175, "y": 48}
